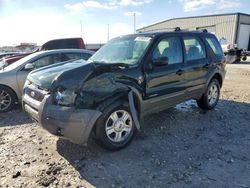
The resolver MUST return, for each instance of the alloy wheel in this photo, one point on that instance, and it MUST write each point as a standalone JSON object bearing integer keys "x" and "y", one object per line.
{"x": 118, "y": 126}
{"x": 5, "y": 100}
{"x": 213, "y": 94}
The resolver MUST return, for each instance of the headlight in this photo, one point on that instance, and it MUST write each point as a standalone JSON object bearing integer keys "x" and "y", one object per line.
{"x": 27, "y": 82}
{"x": 65, "y": 97}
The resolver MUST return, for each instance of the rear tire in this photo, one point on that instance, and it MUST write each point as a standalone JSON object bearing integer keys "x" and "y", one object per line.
{"x": 7, "y": 99}
{"x": 115, "y": 129}
{"x": 211, "y": 96}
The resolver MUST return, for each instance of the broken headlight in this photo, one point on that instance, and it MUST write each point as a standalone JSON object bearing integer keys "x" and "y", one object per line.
{"x": 65, "y": 97}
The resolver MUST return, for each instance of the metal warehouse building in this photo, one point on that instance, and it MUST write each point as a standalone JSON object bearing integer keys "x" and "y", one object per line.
{"x": 229, "y": 28}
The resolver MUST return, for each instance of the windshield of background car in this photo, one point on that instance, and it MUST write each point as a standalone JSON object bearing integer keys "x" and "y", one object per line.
{"x": 127, "y": 50}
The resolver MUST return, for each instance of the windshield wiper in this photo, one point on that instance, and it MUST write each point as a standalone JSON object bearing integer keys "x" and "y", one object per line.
{"x": 125, "y": 65}
{"x": 99, "y": 62}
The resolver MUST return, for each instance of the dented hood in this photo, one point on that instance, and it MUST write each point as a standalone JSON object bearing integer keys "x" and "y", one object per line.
{"x": 70, "y": 73}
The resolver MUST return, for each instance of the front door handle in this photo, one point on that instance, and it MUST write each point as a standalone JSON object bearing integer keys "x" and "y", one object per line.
{"x": 180, "y": 72}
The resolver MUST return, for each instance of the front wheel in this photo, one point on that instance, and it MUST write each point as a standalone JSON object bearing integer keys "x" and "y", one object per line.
{"x": 7, "y": 99}
{"x": 211, "y": 97}
{"x": 115, "y": 129}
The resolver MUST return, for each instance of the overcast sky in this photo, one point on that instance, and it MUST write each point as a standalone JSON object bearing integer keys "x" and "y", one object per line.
{"x": 40, "y": 21}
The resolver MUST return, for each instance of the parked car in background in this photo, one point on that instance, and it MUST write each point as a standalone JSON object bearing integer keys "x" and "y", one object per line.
{"x": 129, "y": 77}
{"x": 11, "y": 59}
{"x": 12, "y": 77}
{"x": 65, "y": 43}
{"x": 7, "y": 54}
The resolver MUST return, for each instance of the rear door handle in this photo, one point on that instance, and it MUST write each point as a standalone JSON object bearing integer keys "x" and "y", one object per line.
{"x": 180, "y": 72}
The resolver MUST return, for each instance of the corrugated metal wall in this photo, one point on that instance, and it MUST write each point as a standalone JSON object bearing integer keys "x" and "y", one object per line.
{"x": 244, "y": 19}
{"x": 243, "y": 38}
{"x": 225, "y": 25}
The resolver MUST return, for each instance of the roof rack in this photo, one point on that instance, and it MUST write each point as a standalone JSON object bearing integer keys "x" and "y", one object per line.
{"x": 204, "y": 30}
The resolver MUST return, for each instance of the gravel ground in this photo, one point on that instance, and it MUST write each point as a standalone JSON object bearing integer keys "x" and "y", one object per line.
{"x": 180, "y": 147}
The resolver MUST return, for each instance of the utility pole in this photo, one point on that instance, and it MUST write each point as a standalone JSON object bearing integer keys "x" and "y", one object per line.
{"x": 134, "y": 22}
{"x": 108, "y": 34}
{"x": 81, "y": 27}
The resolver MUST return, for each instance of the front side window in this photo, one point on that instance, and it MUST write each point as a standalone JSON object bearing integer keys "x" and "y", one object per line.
{"x": 194, "y": 48}
{"x": 127, "y": 50}
{"x": 170, "y": 48}
{"x": 47, "y": 60}
{"x": 215, "y": 46}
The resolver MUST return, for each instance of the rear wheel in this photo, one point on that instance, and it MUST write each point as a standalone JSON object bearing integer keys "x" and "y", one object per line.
{"x": 7, "y": 99}
{"x": 211, "y": 97}
{"x": 115, "y": 129}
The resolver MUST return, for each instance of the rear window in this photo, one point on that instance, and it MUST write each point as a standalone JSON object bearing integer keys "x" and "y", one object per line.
{"x": 215, "y": 46}
{"x": 71, "y": 43}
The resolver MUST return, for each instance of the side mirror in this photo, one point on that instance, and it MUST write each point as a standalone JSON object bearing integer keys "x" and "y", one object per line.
{"x": 161, "y": 61}
{"x": 28, "y": 67}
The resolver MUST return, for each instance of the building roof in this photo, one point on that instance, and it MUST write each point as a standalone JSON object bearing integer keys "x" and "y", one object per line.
{"x": 212, "y": 15}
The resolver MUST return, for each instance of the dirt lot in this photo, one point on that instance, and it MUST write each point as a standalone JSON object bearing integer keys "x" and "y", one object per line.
{"x": 180, "y": 147}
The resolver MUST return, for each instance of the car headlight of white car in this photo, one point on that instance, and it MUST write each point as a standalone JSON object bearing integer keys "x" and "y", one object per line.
{"x": 65, "y": 97}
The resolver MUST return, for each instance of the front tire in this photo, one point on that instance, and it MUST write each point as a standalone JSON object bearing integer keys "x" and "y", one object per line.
{"x": 211, "y": 96}
{"x": 7, "y": 99}
{"x": 115, "y": 129}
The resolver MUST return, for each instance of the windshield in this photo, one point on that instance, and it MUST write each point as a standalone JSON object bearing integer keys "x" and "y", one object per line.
{"x": 127, "y": 50}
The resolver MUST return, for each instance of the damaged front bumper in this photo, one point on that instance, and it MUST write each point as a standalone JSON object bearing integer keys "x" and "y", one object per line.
{"x": 67, "y": 122}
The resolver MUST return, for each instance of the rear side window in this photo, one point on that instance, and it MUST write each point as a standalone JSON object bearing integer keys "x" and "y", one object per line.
{"x": 70, "y": 56}
{"x": 215, "y": 46}
{"x": 194, "y": 48}
{"x": 86, "y": 56}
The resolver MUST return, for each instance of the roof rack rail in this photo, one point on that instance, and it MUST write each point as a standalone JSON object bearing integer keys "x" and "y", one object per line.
{"x": 177, "y": 29}
{"x": 204, "y": 30}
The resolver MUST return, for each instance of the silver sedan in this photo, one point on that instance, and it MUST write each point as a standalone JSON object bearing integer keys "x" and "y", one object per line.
{"x": 12, "y": 77}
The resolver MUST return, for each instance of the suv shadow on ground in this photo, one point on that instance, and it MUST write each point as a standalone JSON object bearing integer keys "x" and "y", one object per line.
{"x": 185, "y": 147}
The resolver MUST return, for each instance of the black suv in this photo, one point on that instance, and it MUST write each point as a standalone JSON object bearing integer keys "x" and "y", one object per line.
{"x": 128, "y": 78}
